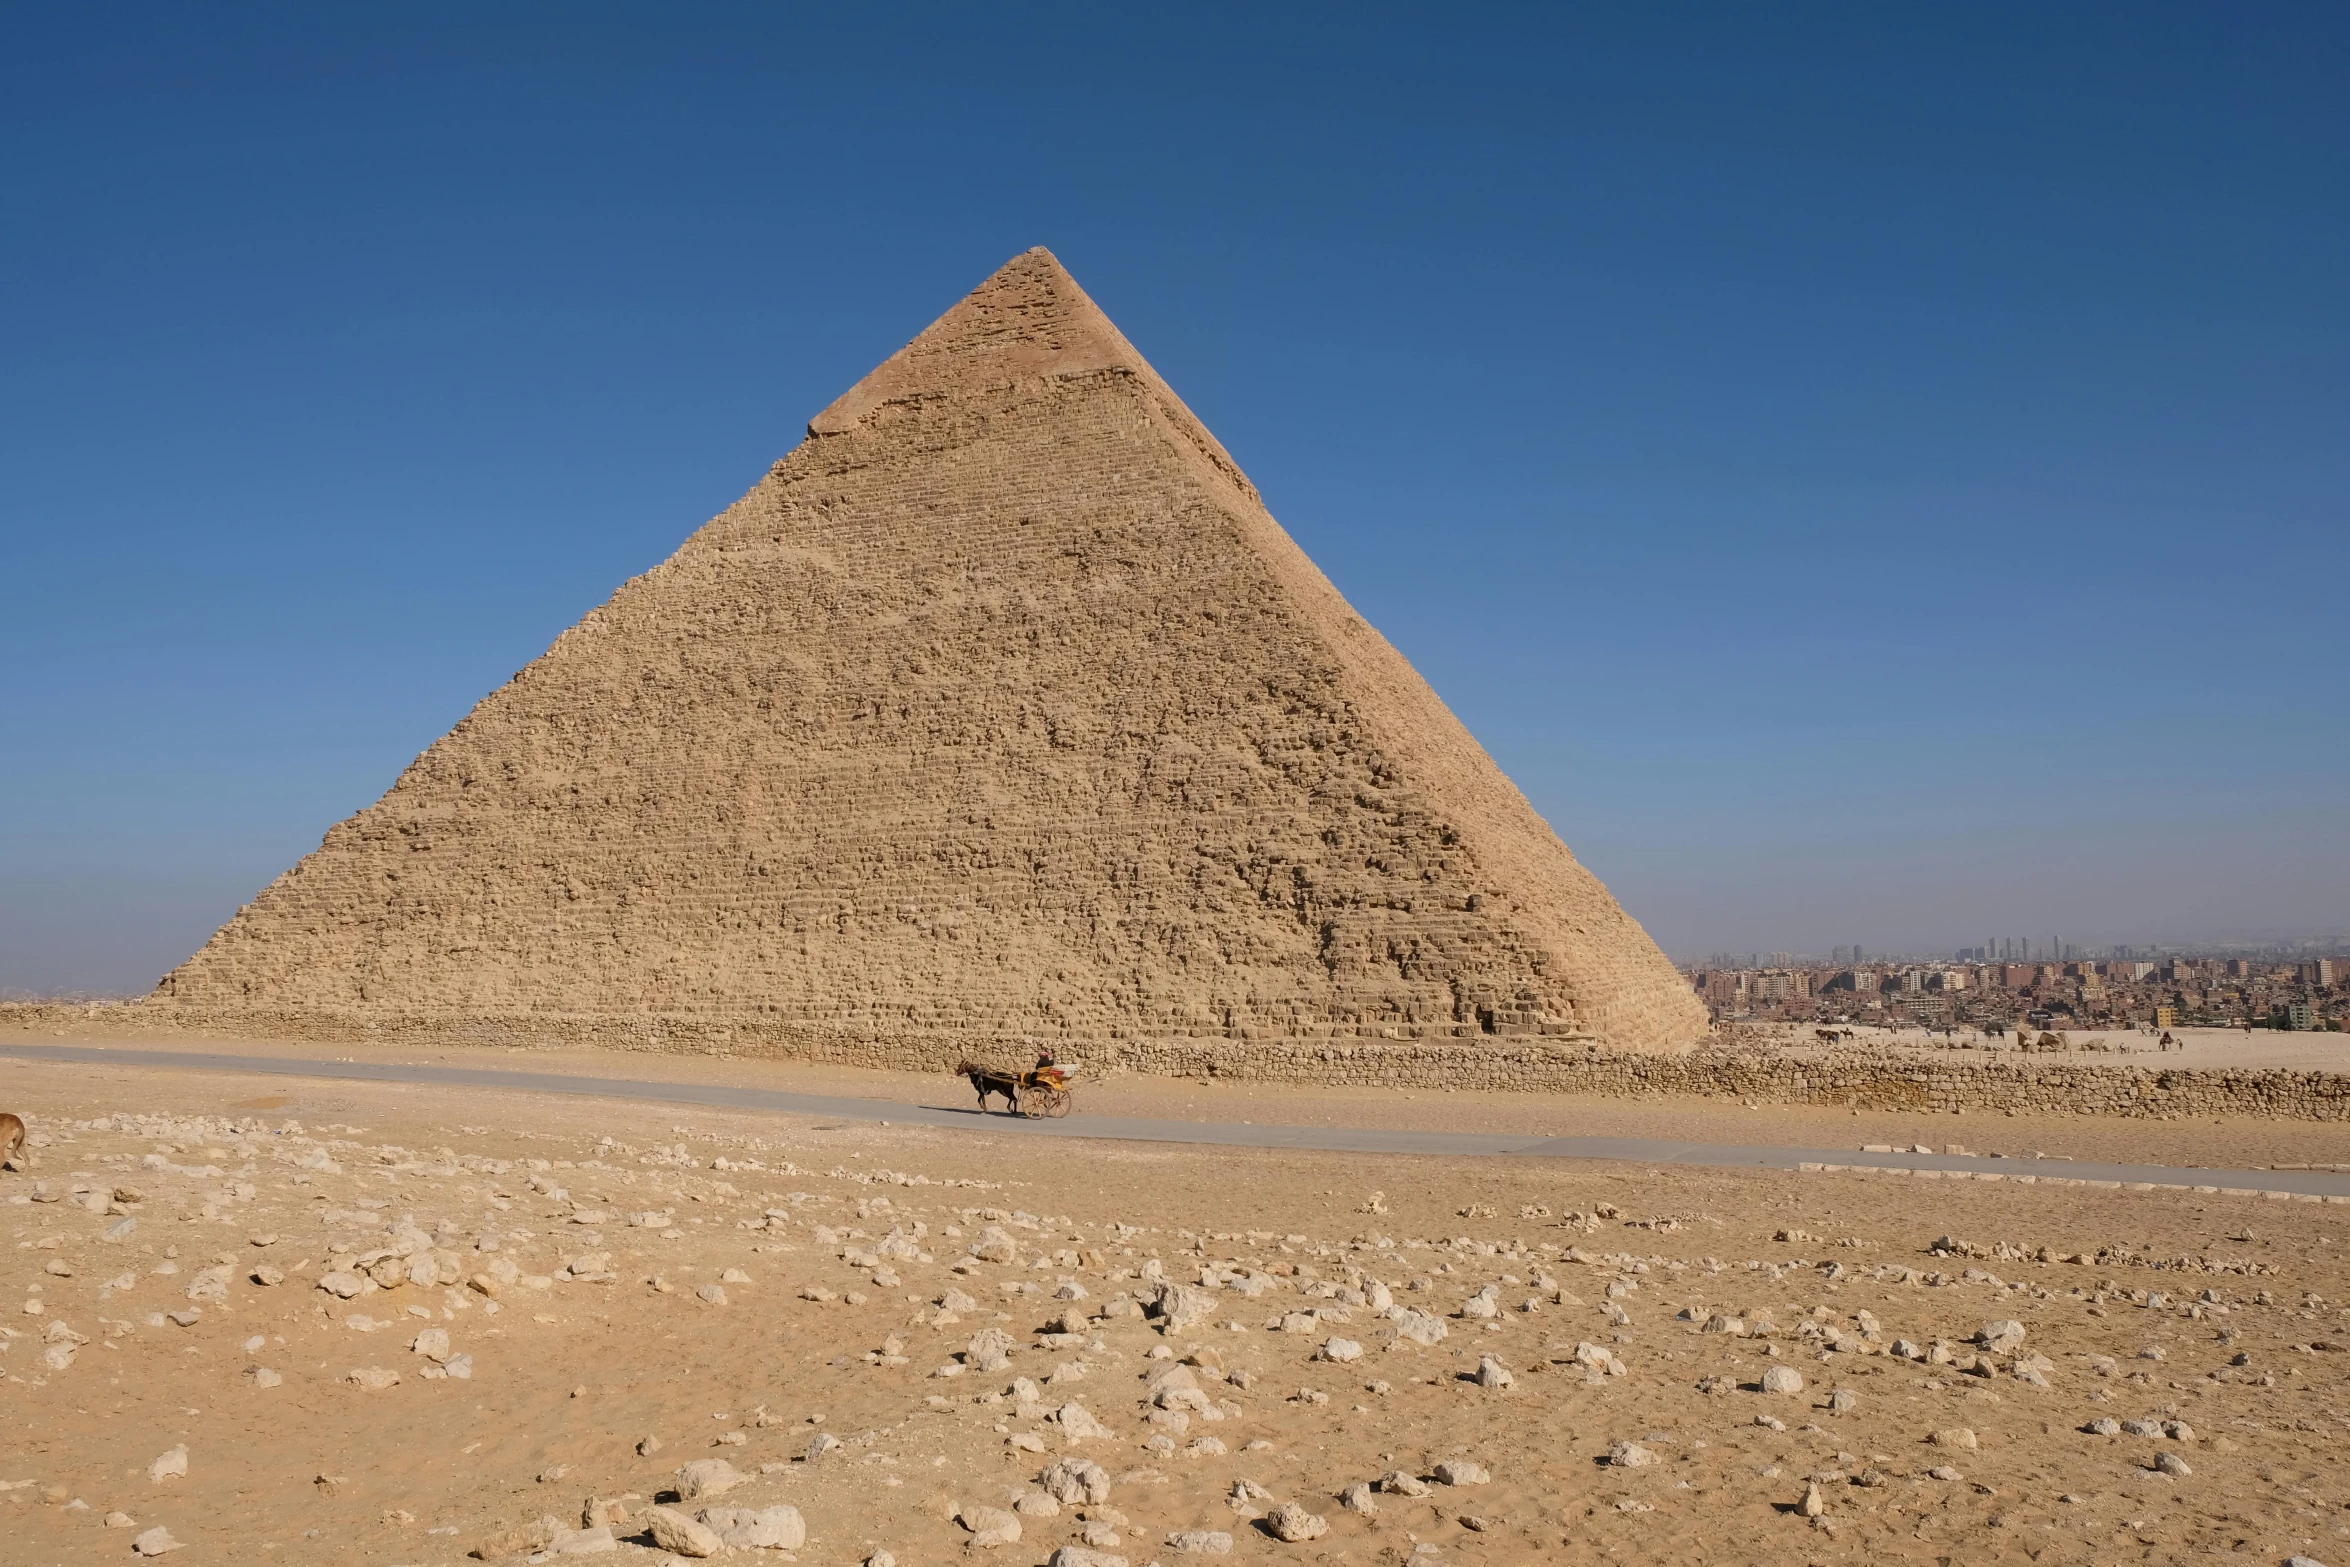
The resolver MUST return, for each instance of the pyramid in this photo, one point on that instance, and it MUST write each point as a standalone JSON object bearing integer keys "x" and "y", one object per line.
{"x": 1000, "y": 709}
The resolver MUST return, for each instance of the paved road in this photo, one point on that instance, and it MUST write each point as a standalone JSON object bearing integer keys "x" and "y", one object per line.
{"x": 1333, "y": 1139}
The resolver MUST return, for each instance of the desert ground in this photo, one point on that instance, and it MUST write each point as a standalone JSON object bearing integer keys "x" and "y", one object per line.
{"x": 307, "y": 1321}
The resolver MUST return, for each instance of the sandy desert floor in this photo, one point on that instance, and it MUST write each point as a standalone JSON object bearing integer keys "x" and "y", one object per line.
{"x": 220, "y": 1337}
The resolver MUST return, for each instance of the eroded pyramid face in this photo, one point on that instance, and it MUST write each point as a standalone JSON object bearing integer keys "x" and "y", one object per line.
{"x": 1000, "y": 707}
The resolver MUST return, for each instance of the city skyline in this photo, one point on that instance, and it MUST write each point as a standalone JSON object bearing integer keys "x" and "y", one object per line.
{"x": 2026, "y": 949}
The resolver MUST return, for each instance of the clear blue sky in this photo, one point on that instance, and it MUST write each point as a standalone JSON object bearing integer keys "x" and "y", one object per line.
{"x": 1870, "y": 473}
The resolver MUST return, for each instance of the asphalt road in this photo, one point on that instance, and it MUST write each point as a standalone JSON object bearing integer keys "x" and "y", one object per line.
{"x": 1330, "y": 1139}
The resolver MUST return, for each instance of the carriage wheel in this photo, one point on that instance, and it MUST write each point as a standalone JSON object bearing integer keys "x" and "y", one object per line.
{"x": 1027, "y": 1104}
{"x": 1058, "y": 1104}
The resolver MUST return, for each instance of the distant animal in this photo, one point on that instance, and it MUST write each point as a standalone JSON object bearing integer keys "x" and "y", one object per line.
{"x": 988, "y": 1082}
{"x": 11, "y": 1138}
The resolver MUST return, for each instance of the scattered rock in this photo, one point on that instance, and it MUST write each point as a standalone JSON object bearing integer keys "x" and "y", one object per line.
{"x": 524, "y": 1539}
{"x": 170, "y": 1466}
{"x": 1182, "y": 1306}
{"x": 1419, "y": 1327}
{"x": 1630, "y": 1455}
{"x": 1782, "y": 1379}
{"x": 989, "y": 1525}
{"x": 707, "y": 1477}
{"x": 1078, "y": 1424}
{"x": 778, "y": 1528}
{"x": 1599, "y": 1360}
{"x": 1076, "y": 1482}
{"x": 990, "y": 1349}
{"x": 2002, "y": 1337}
{"x": 155, "y": 1542}
{"x": 1461, "y": 1471}
{"x": 994, "y": 1245}
{"x": 1200, "y": 1542}
{"x": 674, "y": 1531}
{"x": 1293, "y": 1525}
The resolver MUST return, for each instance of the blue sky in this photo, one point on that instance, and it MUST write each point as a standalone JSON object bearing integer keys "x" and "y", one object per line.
{"x": 1869, "y": 473}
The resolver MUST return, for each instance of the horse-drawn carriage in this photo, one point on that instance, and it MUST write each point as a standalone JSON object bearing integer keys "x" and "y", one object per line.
{"x": 1044, "y": 1091}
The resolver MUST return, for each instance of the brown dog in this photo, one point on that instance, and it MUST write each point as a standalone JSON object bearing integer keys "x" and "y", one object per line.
{"x": 11, "y": 1138}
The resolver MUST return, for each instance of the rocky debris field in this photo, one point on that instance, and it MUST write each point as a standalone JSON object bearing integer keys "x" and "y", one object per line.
{"x": 423, "y": 1326}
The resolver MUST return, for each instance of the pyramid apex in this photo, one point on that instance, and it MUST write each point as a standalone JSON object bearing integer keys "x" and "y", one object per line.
{"x": 1029, "y": 319}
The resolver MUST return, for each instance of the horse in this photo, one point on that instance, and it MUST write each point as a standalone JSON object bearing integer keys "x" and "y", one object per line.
{"x": 988, "y": 1081}
{"x": 11, "y": 1139}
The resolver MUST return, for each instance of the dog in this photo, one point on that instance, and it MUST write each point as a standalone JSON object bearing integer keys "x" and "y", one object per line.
{"x": 11, "y": 1140}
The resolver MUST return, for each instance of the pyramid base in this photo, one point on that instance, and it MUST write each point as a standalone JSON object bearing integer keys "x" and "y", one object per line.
{"x": 1416, "y": 1055}
{"x": 1722, "y": 1066}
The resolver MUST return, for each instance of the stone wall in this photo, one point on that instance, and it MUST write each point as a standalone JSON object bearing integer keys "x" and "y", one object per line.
{"x": 1725, "y": 1067}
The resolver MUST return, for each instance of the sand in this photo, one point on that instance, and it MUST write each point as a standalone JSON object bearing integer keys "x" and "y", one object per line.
{"x": 837, "y": 1333}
